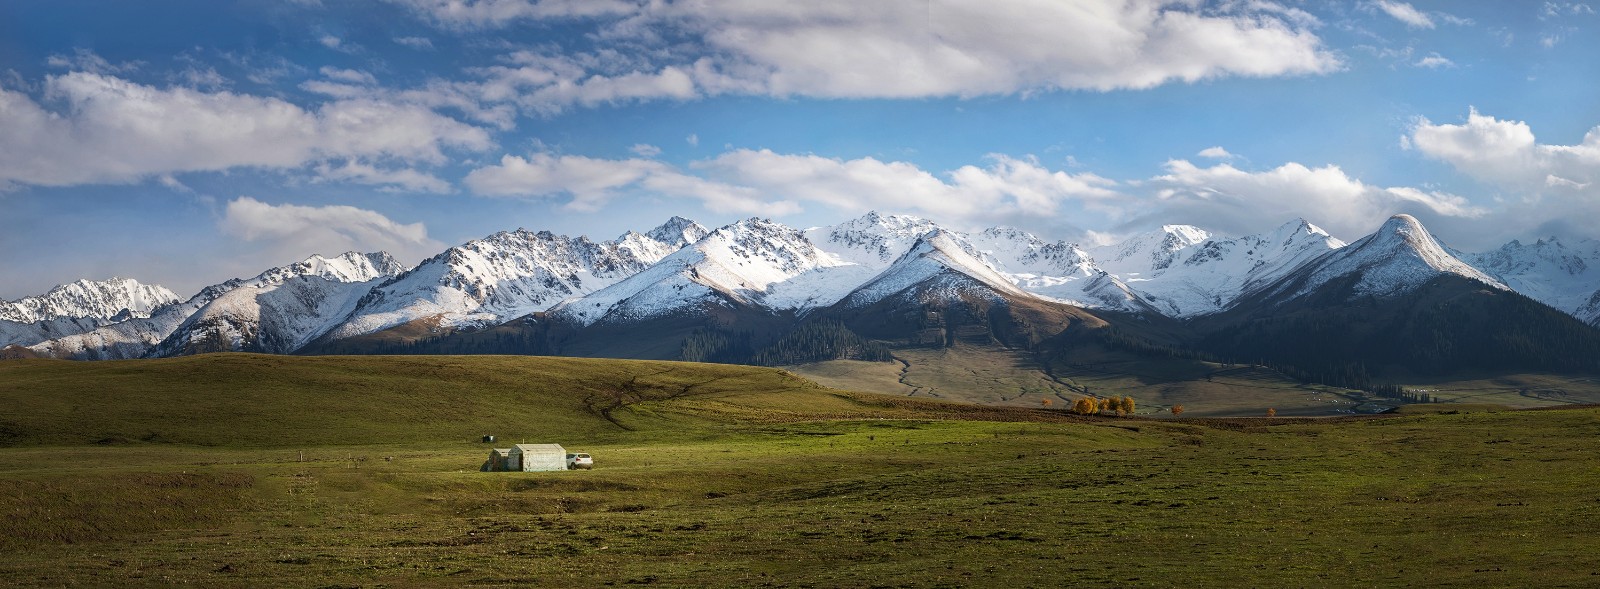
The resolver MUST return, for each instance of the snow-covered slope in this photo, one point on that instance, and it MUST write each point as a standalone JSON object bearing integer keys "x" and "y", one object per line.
{"x": 940, "y": 261}
{"x": 275, "y": 317}
{"x": 1144, "y": 253}
{"x": 755, "y": 262}
{"x": 511, "y": 274}
{"x": 1549, "y": 271}
{"x": 78, "y": 307}
{"x": 1396, "y": 259}
{"x": 1207, "y": 276}
{"x": 873, "y": 240}
{"x": 136, "y": 338}
{"x": 111, "y": 300}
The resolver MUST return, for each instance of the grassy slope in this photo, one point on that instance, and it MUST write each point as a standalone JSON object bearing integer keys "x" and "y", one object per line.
{"x": 741, "y": 484}
{"x": 994, "y": 375}
{"x": 263, "y": 400}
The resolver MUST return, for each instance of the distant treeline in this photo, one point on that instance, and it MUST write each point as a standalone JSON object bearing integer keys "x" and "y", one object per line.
{"x": 815, "y": 341}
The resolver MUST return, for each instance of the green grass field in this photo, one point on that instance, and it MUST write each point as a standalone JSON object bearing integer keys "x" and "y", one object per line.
{"x": 241, "y": 470}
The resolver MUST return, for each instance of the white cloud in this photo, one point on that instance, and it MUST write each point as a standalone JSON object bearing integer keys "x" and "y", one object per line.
{"x": 765, "y": 182}
{"x": 592, "y": 182}
{"x": 1435, "y": 61}
{"x": 1234, "y": 200}
{"x": 422, "y": 43}
{"x": 348, "y": 76}
{"x": 891, "y": 49}
{"x": 1007, "y": 189}
{"x": 1559, "y": 9}
{"x": 298, "y": 230}
{"x": 1546, "y": 188}
{"x": 693, "y": 140}
{"x": 200, "y": 77}
{"x": 1216, "y": 152}
{"x": 1405, "y": 13}
{"x": 1507, "y": 154}
{"x": 645, "y": 150}
{"x": 395, "y": 180}
{"x": 498, "y": 13}
{"x": 110, "y": 130}
{"x": 84, "y": 60}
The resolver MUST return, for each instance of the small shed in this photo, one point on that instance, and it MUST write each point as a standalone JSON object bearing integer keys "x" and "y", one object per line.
{"x": 499, "y": 461}
{"x": 535, "y": 457}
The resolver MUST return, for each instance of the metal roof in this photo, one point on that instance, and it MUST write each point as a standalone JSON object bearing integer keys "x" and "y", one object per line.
{"x": 538, "y": 448}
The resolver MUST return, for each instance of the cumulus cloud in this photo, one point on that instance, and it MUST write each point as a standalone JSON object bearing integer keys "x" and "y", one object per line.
{"x": 1435, "y": 61}
{"x": 1216, "y": 152}
{"x": 1234, "y": 200}
{"x": 592, "y": 182}
{"x": 893, "y": 49}
{"x": 645, "y": 150}
{"x": 1007, "y": 188}
{"x": 1405, "y": 13}
{"x": 1547, "y": 188}
{"x": 111, "y": 130}
{"x": 766, "y": 182}
{"x": 298, "y": 230}
{"x": 1507, "y": 154}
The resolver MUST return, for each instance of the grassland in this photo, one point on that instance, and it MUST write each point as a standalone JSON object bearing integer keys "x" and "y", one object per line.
{"x": 350, "y": 472}
{"x": 998, "y": 376}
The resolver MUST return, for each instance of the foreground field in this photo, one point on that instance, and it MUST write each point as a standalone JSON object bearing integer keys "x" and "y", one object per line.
{"x": 774, "y": 482}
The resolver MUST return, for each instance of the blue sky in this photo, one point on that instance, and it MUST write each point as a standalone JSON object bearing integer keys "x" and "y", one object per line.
{"x": 184, "y": 143}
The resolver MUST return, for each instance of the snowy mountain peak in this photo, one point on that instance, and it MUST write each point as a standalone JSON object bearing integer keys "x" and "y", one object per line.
{"x": 1300, "y": 228}
{"x": 752, "y": 254}
{"x": 1150, "y": 251}
{"x": 678, "y": 232}
{"x": 1401, "y": 256}
{"x": 873, "y": 240}
{"x": 939, "y": 260}
{"x": 348, "y": 267}
{"x": 108, "y": 300}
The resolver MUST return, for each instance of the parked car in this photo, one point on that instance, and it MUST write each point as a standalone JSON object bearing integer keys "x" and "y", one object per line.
{"x": 579, "y": 460}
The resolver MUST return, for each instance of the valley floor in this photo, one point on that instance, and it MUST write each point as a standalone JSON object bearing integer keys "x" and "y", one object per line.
{"x": 1467, "y": 499}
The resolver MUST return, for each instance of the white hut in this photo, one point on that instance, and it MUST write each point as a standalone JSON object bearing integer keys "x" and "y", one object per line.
{"x": 532, "y": 457}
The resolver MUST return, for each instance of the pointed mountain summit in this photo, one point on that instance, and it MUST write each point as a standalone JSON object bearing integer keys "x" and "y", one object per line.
{"x": 678, "y": 232}
{"x": 938, "y": 264}
{"x": 1398, "y": 258}
{"x": 1395, "y": 302}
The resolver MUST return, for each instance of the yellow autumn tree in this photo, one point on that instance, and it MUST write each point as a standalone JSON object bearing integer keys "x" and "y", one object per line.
{"x": 1126, "y": 405}
{"x": 1177, "y": 410}
{"x": 1272, "y": 412}
{"x": 1085, "y": 406}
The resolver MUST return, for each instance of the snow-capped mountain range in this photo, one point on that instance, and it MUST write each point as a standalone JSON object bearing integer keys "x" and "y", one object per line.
{"x": 1177, "y": 271}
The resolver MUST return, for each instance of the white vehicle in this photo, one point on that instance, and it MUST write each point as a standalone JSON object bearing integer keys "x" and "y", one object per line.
{"x": 579, "y": 460}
